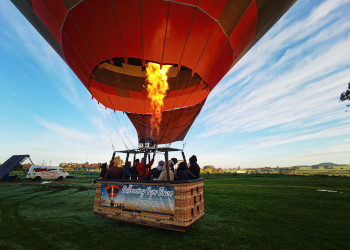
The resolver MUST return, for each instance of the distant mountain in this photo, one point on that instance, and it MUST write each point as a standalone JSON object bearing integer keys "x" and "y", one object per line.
{"x": 327, "y": 164}
{"x": 323, "y": 164}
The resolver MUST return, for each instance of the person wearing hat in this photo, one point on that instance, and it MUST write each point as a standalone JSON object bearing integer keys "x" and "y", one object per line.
{"x": 155, "y": 172}
{"x": 163, "y": 174}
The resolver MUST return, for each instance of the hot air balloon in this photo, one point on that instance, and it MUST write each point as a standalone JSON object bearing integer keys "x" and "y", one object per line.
{"x": 116, "y": 47}
{"x": 107, "y": 44}
{"x": 112, "y": 192}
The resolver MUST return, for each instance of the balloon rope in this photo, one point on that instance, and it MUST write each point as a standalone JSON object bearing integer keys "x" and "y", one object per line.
{"x": 104, "y": 80}
{"x": 104, "y": 123}
{"x": 118, "y": 128}
{"x": 123, "y": 130}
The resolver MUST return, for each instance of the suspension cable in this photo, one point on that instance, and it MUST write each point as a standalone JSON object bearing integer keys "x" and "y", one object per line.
{"x": 107, "y": 129}
{"x": 133, "y": 145}
{"x": 119, "y": 124}
{"x": 101, "y": 115}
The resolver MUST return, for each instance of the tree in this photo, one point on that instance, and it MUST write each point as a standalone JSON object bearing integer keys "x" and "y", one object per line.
{"x": 209, "y": 167}
{"x": 208, "y": 170}
{"x": 345, "y": 96}
{"x": 219, "y": 170}
{"x": 119, "y": 160}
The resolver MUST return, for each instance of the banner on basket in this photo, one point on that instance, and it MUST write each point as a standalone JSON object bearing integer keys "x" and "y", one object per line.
{"x": 159, "y": 199}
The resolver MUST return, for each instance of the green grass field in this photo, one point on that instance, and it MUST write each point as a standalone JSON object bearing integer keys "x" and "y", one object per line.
{"x": 332, "y": 170}
{"x": 242, "y": 212}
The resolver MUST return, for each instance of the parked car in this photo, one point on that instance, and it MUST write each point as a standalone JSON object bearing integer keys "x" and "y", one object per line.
{"x": 38, "y": 173}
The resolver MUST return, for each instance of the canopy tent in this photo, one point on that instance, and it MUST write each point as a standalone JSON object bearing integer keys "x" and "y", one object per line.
{"x": 11, "y": 163}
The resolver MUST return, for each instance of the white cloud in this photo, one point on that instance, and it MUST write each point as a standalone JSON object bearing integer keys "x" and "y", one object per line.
{"x": 16, "y": 28}
{"x": 281, "y": 36}
{"x": 61, "y": 143}
{"x": 282, "y": 97}
{"x": 306, "y": 92}
{"x": 338, "y": 130}
{"x": 314, "y": 156}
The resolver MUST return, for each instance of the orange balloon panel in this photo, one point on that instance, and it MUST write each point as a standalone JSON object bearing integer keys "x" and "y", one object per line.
{"x": 112, "y": 93}
{"x": 108, "y": 42}
{"x": 174, "y": 126}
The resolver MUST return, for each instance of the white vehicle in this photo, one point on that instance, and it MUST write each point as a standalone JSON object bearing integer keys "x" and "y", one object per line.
{"x": 38, "y": 173}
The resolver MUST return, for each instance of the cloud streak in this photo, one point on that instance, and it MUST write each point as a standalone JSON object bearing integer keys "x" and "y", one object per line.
{"x": 16, "y": 28}
{"x": 62, "y": 143}
{"x": 296, "y": 90}
{"x": 36, "y": 52}
{"x": 280, "y": 104}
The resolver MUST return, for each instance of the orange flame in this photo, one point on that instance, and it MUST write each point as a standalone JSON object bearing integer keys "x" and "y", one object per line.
{"x": 156, "y": 89}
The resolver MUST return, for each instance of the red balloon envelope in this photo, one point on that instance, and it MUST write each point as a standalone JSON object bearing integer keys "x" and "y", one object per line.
{"x": 107, "y": 43}
{"x": 112, "y": 190}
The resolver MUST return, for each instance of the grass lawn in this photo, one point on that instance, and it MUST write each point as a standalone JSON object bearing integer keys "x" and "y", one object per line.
{"x": 241, "y": 212}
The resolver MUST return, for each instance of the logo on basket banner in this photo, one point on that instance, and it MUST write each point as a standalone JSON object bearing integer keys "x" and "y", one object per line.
{"x": 158, "y": 199}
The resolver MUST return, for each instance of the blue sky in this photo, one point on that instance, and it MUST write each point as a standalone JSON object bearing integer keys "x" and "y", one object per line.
{"x": 278, "y": 106}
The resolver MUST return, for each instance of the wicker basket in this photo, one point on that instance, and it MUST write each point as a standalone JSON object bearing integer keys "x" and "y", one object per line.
{"x": 188, "y": 205}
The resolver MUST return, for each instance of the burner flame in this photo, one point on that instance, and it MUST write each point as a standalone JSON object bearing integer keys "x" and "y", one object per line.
{"x": 156, "y": 88}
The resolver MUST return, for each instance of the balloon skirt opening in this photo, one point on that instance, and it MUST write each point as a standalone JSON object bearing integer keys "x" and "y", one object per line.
{"x": 175, "y": 206}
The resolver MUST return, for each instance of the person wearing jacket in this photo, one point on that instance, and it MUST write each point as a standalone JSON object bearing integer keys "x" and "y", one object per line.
{"x": 155, "y": 172}
{"x": 102, "y": 174}
{"x": 114, "y": 172}
{"x": 194, "y": 168}
{"x": 183, "y": 173}
{"x": 163, "y": 174}
{"x": 126, "y": 170}
{"x": 139, "y": 167}
{"x": 174, "y": 161}
{"x": 133, "y": 171}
